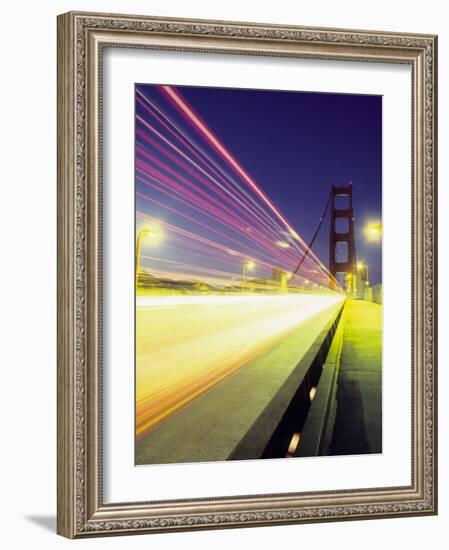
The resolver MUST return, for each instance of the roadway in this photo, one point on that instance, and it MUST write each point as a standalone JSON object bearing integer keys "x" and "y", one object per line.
{"x": 187, "y": 345}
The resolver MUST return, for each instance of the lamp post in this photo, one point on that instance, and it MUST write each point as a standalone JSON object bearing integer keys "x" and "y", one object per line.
{"x": 349, "y": 284}
{"x": 142, "y": 234}
{"x": 362, "y": 271}
{"x": 248, "y": 264}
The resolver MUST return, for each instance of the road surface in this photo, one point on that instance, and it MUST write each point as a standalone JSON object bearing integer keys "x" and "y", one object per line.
{"x": 186, "y": 345}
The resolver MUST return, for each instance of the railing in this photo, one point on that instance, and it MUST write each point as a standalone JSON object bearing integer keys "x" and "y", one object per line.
{"x": 283, "y": 418}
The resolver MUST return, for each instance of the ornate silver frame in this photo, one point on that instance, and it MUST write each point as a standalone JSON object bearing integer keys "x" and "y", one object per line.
{"x": 81, "y": 37}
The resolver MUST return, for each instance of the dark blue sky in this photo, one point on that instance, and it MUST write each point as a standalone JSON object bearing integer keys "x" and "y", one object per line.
{"x": 296, "y": 145}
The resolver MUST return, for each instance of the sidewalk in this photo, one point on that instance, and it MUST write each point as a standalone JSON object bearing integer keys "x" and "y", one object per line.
{"x": 358, "y": 422}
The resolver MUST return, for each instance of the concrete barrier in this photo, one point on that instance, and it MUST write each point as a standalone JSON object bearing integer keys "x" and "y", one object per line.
{"x": 285, "y": 414}
{"x": 318, "y": 428}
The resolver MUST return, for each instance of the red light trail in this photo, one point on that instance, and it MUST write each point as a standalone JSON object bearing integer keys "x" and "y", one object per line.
{"x": 214, "y": 215}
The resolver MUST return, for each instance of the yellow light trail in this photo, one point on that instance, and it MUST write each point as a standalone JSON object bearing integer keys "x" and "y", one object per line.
{"x": 186, "y": 345}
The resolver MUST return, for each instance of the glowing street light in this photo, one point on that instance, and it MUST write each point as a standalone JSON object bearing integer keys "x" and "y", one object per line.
{"x": 150, "y": 233}
{"x": 247, "y": 265}
{"x": 373, "y": 231}
{"x": 362, "y": 272}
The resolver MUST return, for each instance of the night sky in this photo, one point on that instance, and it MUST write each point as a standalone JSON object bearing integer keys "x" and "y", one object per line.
{"x": 296, "y": 145}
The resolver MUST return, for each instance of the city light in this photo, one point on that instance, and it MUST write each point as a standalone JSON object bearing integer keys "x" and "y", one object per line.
{"x": 373, "y": 231}
{"x": 152, "y": 231}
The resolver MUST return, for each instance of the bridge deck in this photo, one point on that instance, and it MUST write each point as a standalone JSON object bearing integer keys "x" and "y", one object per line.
{"x": 358, "y": 421}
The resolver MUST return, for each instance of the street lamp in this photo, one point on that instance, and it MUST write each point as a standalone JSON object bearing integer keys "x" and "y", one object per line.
{"x": 151, "y": 233}
{"x": 248, "y": 264}
{"x": 362, "y": 270}
{"x": 373, "y": 231}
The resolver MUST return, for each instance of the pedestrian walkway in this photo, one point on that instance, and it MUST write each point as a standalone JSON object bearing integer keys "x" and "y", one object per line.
{"x": 358, "y": 421}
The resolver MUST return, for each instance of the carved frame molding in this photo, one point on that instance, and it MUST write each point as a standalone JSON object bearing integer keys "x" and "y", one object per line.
{"x": 81, "y": 39}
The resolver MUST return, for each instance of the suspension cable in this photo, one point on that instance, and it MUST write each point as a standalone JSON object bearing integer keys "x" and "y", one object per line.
{"x": 313, "y": 239}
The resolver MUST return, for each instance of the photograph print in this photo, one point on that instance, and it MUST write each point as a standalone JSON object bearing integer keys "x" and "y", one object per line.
{"x": 258, "y": 274}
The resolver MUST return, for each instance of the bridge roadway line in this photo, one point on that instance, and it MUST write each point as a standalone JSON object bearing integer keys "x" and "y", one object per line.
{"x": 212, "y": 425}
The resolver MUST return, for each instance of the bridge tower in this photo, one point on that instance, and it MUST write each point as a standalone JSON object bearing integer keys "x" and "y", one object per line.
{"x": 342, "y": 258}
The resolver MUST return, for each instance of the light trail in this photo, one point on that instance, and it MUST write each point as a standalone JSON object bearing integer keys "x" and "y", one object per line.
{"x": 181, "y": 103}
{"x": 212, "y": 276}
{"x": 236, "y": 206}
{"x": 214, "y": 220}
{"x": 200, "y": 246}
{"x": 235, "y": 192}
{"x": 263, "y": 246}
{"x": 186, "y": 345}
{"x": 214, "y": 185}
{"x": 240, "y": 219}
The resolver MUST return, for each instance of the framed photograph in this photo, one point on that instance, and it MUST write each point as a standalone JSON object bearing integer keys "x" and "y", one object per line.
{"x": 246, "y": 274}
